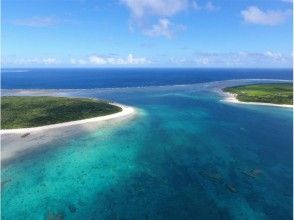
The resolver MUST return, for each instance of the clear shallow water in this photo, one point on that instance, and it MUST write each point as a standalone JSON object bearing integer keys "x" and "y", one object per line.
{"x": 172, "y": 162}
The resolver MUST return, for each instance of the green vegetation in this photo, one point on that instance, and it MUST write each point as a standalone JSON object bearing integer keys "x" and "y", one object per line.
{"x": 28, "y": 111}
{"x": 276, "y": 93}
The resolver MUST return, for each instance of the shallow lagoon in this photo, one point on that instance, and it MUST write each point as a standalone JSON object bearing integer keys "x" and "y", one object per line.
{"x": 186, "y": 156}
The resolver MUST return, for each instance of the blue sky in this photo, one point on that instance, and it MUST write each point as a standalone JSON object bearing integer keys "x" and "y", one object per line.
{"x": 147, "y": 33}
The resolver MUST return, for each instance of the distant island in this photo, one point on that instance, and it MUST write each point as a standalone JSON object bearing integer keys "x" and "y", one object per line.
{"x": 35, "y": 111}
{"x": 271, "y": 93}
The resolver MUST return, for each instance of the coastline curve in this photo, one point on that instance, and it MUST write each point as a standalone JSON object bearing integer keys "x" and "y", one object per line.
{"x": 231, "y": 98}
{"x": 126, "y": 111}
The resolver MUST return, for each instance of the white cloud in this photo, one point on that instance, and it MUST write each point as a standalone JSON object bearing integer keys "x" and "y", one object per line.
{"x": 237, "y": 59}
{"x": 254, "y": 15}
{"x": 162, "y": 8}
{"x": 36, "y": 21}
{"x": 233, "y": 59}
{"x": 209, "y": 6}
{"x": 77, "y": 61}
{"x": 136, "y": 60}
{"x": 97, "y": 60}
{"x": 221, "y": 59}
{"x": 106, "y": 60}
{"x": 49, "y": 61}
{"x": 35, "y": 61}
{"x": 273, "y": 55}
{"x": 288, "y": 1}
{"x": 196, "y": 6}
{"x": 144, "y": 12}
{"x": 163, "y": 28}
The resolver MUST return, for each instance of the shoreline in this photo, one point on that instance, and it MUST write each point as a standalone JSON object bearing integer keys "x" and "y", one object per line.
{"x": 232, "y": 98}
{"x": 126, "y": 111}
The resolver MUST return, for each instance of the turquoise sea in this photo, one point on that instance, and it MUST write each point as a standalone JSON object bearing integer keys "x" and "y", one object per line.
{"x": 187, "y": 155}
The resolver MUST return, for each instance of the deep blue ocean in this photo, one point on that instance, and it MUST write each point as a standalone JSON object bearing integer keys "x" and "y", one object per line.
{"x": 186, "y": 155}
{"x": 117, "y": 78}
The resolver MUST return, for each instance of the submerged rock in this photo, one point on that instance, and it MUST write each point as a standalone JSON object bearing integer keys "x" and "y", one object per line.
{"x": 4, "y": 182}
{"x": 25, "y": 134}
{"x": 252, "y": 173}
{"x": 81, "y": 202}
{"x": 256, "y": 172}
{"x": 55, "y": 216}
{"x": 213, "y": 176}
{"x": 72, "y": 208}
{"x": 231, "y": 188}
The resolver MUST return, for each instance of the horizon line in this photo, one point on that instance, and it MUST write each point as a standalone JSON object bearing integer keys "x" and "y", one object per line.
{"x": 145, "y": 67}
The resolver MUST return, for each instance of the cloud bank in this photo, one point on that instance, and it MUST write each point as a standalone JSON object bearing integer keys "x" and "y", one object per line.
{"x": 47, "y": 61}
{"x": 235, "y": 59}
{"x": 232, "y": 59}
{"x": 113, "y": 61}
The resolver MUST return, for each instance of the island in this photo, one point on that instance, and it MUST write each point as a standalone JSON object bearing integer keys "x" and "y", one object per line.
{"x": 263, "y": 93}
{"x": 35, "y": 111}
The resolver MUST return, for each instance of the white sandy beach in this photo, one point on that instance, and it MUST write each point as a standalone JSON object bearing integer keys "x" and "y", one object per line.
{"x": 126, "y": 111}
{"x": 14, "y": 146}
{"x": 231, "y": 98}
